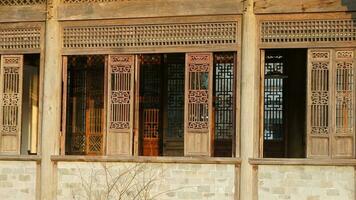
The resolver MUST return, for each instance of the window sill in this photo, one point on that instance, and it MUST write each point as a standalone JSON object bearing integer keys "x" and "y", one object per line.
{"x": 147, "y": 159}
{"x": 20, "y": 158}
{"x": 302, "y": 161}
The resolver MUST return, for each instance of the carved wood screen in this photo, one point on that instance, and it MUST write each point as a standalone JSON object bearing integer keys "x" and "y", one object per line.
{"x": 198, "y": 104}
{"x": 331, "y": 103}
{"x": 120, "y": 104}
{"x": 14, "y": 36}
{"x": 11, "y": 103}
{"x": 21, "y": 2}
{"x": 307, "y": 31}
{"x": 150, "y": 35}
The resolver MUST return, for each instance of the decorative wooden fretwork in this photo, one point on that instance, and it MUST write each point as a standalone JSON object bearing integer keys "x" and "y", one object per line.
{"x": 21, "y": 2}
{"x": 26, "y": 37}
{"x": 153, "y": 35}
{"x": 85, "y": 100}
{"x": 90, "y": 1}
{"x": 198, "y": 103}
{"x": 151, "y": 123}
{"x": 120, "y": 104}
{"x": 224, "y": 103}
{"x": 345, "y": 105}
{"x": 297, "y": 31}
{"x": 11, "y": 103}
{"x": 319, "y": 70}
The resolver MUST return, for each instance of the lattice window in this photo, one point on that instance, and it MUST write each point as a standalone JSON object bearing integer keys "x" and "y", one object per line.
{"x": 116, "y": 36}
{"x": 21, "y": 2}
{"x": 344, "y": 92}
{"x": 274, "y": 100}
{"x": 308, "y": 31}
{"x": 85, "y": 100}
{"x": 19, "y": 37}
{"x": 224, "y": 103}
{"x": 90, "y": 1}
{"x": 175, "y": 96}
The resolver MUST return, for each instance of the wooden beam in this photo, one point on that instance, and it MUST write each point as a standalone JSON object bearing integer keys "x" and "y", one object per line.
{"x": 302, "y": 6}
{"x": 302, "y": 161}
{"x": 147, "y": 159}
{"x": 153, "y": 8}
{"x": 20, "y": 158}
{"x": 23, "y": 13}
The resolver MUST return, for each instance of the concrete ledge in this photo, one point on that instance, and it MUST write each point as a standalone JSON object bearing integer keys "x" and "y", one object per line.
{"x": 147, "y": 159}
{"x": 20, "y": 158}
{"x": 302, "y": 161}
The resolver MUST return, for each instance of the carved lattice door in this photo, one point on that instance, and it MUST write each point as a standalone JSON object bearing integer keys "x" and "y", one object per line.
{"x": 120, "y": 104}
{"x": 198, "y": 104}
{"x": 10, "y": 104}
{"x": 331, "y": 103}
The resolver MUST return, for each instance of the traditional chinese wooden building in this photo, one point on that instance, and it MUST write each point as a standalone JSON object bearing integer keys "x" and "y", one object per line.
{"x": 177, "y": 99}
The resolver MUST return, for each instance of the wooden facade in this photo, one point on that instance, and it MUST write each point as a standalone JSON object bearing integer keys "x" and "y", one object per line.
{"x": 105, "y": 111}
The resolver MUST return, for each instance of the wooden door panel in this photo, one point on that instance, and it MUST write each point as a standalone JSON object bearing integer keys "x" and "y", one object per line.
{"x": 11, "y": 103}
{"x": 198, "y": 104}
{"x": 120, "y": 104}
{"x": 319, "y": 104}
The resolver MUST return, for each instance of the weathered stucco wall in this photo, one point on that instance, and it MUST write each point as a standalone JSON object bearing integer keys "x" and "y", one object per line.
{"x": 78, "y": 180}
{"x": 17, "y": 180}
{"x": 305, "y": 183}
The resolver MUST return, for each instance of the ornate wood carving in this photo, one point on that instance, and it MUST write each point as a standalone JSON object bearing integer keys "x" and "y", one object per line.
{"x": 120, "y": 104}
{"x": 126, "y": 36}
{"x": 21, "y": 2}
{"x": 319, "y": 112}
{"x": 296, "y": 31}
{"x": 198, "y": 104}
{"x": 344, "y": 108}
{"x": 11, "y": 103}
{"x": 20, "y": 37}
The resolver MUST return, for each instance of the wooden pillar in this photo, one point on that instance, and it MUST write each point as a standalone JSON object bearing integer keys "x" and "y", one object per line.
{"x": 51, "y": 103}
{"x": 249, "y": 100}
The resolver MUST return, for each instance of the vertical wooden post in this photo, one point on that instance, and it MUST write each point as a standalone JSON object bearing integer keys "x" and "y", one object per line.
{"x": 249, "y": 100}
{"x": 51, "y": 103}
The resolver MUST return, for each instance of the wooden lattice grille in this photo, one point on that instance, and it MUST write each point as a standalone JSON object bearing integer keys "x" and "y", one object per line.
{"x": 319, "y": 102}
{"x": 344, "y": 103}
{"x": 21, "y": 2}
{"x": 90, "y": 1}
{"x": 85, "y": 99}
{"x": 125, "y": 36}
{"x": 198, "y": 103}
{"x": 341, "y": 30}
{"x": 120, "y": 104}
{"x": 331, "y": 103}
{"x": 11, "y": 102}
{"x": 19, "y": 37}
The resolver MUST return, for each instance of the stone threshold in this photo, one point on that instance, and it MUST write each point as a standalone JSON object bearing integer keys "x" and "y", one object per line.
{"x": 147, "y": 159}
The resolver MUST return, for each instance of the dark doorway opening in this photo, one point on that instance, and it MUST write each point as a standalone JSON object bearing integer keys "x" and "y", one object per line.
{"x": 285, "y": 86}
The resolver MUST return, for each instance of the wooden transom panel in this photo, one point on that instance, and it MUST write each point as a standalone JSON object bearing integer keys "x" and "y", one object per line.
{"x": 14, "y": 37}
{"x": 293, "y": 31}
{"x": 153, "y": 35}
{"x": 21, "y": 2}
